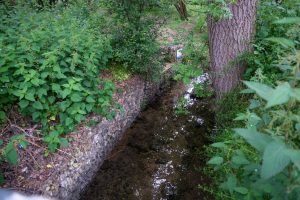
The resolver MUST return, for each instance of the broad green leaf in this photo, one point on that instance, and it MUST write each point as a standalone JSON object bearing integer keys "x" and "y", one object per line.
{"x": 55, "y": 87}
{"x": 29, "y": 96}
{"x": 42, "y": 92}
{"x": 2, "y": 115}
{"x": 1, "y": 142}
{"x": 261, "y": 90}
{"x": 12, "y": 157}
{"x": 296, "y": 94}
{"x": 64, "y": 93}
{"x": 247, "y": 91}
{"x": 37, "y": 105}
{"x": 254, "y": 104}
{"x": 35, "y": 115}
{"x": 79, "y": 117}
{"x": 274, "y": 160}
{"x": 90, "y": 99}
{"x": 36, "y": 81}
{"x": 280, "y": 95}
{"x": 51, "y": 99}
{"x": 258, "y": 140}
{"x": 241, "y": 190}
{"x": 24, "y": 143}
{"x": 240, "y": 160}
{"x": 3, "y": 69}
{"x": 89, "y": 107}
{"x": 64, "y": 105}
{"x": 217, "y": 160}
{"x": 76, "y": 97}
{"x": 294, "y": 155}
{"x": 282, "y": 41}
{"x": 288, "y": 20}
{"x": 69, "y": 121}
{"x": 52, "y": 147}
{"x": 297, "y": 127}
{"x": 230, "y": 184}
{"x": 219, "y": 145}
{"x": 23, "y": 104}
{"x": 64, "y": 142}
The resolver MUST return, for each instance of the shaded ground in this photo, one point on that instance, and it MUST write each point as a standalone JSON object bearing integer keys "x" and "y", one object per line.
{"x": 159, "y": 156}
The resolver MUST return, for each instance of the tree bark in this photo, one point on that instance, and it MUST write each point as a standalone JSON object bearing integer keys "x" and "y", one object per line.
{"x": 181, "y": 8}
{"x": 228, "y": 39}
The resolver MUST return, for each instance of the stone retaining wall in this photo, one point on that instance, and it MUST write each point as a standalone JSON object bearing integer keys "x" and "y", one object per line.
{"x": 75, "y": 174}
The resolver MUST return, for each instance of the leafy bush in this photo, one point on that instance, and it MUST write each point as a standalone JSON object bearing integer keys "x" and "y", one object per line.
{"x": 134, "y": 34}
{"x": 50, "y": 66}
{"x": 261, "y": 160}
{"x": 261, "y": 67}
{"x": 202, "y": 90}
{"x": 194, "y": 57}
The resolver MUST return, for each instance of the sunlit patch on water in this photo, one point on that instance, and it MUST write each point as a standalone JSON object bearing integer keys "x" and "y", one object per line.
{"x": 160, "y": 177}
{"x": 190, "y": 88}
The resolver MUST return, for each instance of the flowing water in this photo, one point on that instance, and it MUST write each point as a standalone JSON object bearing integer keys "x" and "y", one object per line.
{"x": 161, "y": 155}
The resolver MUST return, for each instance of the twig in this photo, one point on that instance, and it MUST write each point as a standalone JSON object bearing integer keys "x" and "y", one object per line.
{"x": 33, "y": 143}
{"x": 34, "y": 160}
{"x": 4, "y": 130}
{"x": 36, "y": 138}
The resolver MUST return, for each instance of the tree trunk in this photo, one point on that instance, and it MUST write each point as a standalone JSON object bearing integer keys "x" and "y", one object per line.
{"x": 181, "y": 8}
{"x": 228, "y": 39}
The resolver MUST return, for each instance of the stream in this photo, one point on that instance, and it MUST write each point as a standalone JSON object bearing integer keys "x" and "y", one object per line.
{"x": 161, "y": 154}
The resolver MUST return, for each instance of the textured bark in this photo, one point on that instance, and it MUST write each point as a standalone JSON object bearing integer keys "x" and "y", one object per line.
{"x": 181, "y": 8}
{"x": 228, "y": 39}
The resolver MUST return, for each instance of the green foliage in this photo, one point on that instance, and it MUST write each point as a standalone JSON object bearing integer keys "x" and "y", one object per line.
{"x": 180, "y": 108}
{"x": 133, "y": 34}
{"x": 194, "y": 57}
{"x": 216, "y": 9}
{"x": 52, "y": 55}
{"x": 50, "y": 62}
{"x": 119, "y": 73}
{"x": 261, "y": 160}
{"x": 202, "y": 90}
{"x": 227, "y": 109}
{"x": 186, "y": 72}
{"x": 50, "y": 67}
{"x": 275, "y": 35}
{"x": 9, "y": 151}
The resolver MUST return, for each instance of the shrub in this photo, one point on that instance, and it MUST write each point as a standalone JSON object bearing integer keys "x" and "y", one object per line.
{"x": 134, "y": 34}
{"x": 261, "y": 62}
{"x": 50, "y": 66}
{"x": 261, "y": 160}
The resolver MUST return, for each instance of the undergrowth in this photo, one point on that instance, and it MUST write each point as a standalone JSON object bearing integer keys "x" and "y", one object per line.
{"x": 51, "y": 59}
{"x": 260, "y": 159}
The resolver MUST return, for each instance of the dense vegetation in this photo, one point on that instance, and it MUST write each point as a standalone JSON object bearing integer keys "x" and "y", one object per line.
{"x": 256, "y": 154}
{"x": 52, "y": 55}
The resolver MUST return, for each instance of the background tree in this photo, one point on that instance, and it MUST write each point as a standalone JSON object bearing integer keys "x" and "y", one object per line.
{"x": 180, "y": 6}
{"x": 229, "y": 39}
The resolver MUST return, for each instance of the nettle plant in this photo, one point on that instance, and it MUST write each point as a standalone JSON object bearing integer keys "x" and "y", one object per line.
{"x": 262, "y": 161}
{"x": 50, "y": 64}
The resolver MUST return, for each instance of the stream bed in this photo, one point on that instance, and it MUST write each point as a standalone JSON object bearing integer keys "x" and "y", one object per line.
{"x": 160, "y": 155}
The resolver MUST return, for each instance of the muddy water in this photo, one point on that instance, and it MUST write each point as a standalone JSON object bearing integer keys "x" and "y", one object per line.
{"x": 160, "y": 155}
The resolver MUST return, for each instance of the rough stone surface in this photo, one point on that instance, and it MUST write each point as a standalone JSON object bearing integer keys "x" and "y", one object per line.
{"x": 74, "y": 175}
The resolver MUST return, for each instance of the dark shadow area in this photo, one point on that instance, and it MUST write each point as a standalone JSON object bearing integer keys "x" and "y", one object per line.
{"x": 159, "y": 156}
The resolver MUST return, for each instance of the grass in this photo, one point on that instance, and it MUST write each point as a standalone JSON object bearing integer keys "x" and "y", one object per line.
{"x": 226, "y": 110}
